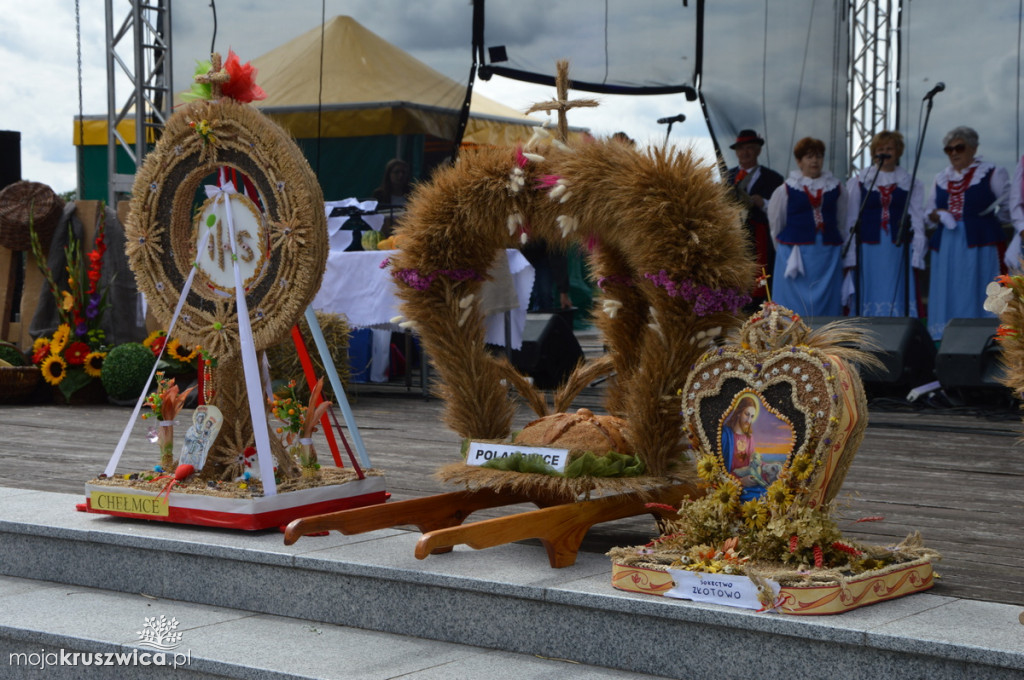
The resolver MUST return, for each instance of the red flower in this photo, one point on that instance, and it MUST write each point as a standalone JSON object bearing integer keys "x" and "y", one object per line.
{"x": 158, "y": 344}
{"x": 40, "y": 354}
{"x": 76, "y": 352}
{"x": 242, "y": 86}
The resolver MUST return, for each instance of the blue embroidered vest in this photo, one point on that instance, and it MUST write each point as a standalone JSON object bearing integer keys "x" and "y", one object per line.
{"x": 980, "y": 230}
{"x": 871, "y": 217}
{"x": 800, "y": 229}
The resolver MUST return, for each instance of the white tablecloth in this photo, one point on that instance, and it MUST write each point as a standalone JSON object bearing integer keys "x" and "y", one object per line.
{"x": 355, "y": 285}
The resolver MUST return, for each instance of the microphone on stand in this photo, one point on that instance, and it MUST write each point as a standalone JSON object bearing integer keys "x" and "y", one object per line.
{"x": 882, "y": 156}
{"x": 672, "y": 119}
{"x": 939, "y": 87}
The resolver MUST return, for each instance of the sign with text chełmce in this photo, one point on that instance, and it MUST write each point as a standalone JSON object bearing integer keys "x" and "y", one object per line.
{"x": 479, "y": 453}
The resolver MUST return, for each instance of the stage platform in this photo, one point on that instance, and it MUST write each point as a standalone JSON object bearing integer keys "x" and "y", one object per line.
{"x": 251, "y": 607}
{"x": 363, "y": 607}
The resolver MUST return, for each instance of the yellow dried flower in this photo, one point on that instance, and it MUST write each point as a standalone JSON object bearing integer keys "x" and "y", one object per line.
{"x": 755, "y": 514}
{"x": 727, "y": 496}
{"x": 707, "y": 467}
{"x": 779, "y": 494}
{"x": 801, "y": 467}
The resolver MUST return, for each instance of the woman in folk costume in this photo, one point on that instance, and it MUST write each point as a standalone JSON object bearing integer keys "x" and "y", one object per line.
{"x": 808, "y": 221}
{"x": 884, "y": 192}
{"x": 1012, "y": 258}
{"x": 969, "y": 205}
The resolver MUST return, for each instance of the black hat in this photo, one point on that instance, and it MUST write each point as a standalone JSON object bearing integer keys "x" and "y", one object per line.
{"x": 747, "y": 137}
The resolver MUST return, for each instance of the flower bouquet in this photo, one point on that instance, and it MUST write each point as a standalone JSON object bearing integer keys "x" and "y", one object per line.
{"x": 298, "y": 423}
{"x": 166, "y": 402}
{"x": 72, "y": 357}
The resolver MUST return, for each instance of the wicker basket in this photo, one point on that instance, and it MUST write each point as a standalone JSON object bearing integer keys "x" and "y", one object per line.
{"x": 20, "y": 200}
{"x": 18, "y": 382}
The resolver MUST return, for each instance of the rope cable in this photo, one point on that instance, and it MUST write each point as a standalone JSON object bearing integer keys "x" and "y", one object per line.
{"x": 320, "y": 90}
{"x": 803, "y": 69}
{"x": 213, "y": 40}
{"x": 81, "y": 109}
{"x": 605, "y": 81}
{"x": 1020, "y": 18}
{"x": 764, "y": 86}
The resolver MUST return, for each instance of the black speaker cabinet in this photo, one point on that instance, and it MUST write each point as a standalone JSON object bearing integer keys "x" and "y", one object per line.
{"x": 903, "y": 346}
{"x": 969, "y": 355}
{"x": 550, "y": 350}
{"x": 10, "y": 157}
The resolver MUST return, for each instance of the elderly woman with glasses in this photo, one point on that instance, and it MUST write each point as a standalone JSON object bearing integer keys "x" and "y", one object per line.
{"x": 880, "y": 196}
{"x": 969, "y": 204}
{"x": 807, "y": 215}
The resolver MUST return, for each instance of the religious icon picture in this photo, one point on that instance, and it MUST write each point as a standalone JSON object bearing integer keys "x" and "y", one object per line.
{"x": 756, "y": 442}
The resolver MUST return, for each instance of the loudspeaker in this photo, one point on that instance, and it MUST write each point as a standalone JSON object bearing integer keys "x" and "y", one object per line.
{"x": 10, "y": 157}
{"x": 550, "y": 350}
{"x": 902, "y": 344}
{"x": 969, "y": 355}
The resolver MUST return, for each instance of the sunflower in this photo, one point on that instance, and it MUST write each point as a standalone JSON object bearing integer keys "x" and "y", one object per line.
{"x": 54, "y": 369}
{"x": 94, "y": 364}
{"x": 76, "y": 352}
{"x": 707, "y": 467}
{"x": 178, "y": 351}
{"x": 726, "y": 496}
{"x": 755, "y": 514}
{"x": 148, "y": 342}
{"x": 801, "y": 467}
{"x": 40, "y": 344}
{"x": 779, "y": 494}
{"x": 60, "y": 338}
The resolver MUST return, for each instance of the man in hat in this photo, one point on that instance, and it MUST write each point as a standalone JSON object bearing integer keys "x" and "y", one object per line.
{"x": 753, "y": 185}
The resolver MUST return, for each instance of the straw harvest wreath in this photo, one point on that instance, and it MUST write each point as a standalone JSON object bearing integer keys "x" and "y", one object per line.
{"x": 279, "y": 234}
{"x": 665, "y": 244}
{"x": 767, "y": 512}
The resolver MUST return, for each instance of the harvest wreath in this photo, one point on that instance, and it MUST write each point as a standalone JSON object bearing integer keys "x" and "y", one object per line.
{"x": 664, "y": 241}
{"x": 232, "y": 274}
{"x": 775, "y": 419}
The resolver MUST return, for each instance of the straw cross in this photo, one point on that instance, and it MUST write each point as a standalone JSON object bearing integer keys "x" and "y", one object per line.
{"x": 562, "y": 103}
{"x": 215, "y": 76}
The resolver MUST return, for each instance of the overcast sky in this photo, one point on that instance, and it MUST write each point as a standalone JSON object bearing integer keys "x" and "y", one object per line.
{"x": 978, "y": 62}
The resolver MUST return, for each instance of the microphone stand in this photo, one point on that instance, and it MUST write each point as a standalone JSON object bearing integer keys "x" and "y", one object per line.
{"x": 855, "y": 232}
{"x": 671, "y": 121}
{"x": 904, "y": 237}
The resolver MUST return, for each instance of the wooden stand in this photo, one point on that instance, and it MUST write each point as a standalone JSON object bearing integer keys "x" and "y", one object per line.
{"x": 34, "y": 285}
{"x": 559, "y": 526}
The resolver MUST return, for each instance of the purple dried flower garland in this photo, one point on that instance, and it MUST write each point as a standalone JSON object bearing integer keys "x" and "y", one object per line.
{"x": 414, "y": 279}
{"x": 705, "y": 300}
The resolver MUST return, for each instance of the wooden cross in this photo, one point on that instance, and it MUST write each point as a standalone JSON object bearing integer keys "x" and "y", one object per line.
{"x": 562, "y": 103}
{"x": 215, "y": 76}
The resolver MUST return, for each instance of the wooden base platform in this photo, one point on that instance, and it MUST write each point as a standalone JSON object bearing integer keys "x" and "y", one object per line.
{"x": 559, "y": 526}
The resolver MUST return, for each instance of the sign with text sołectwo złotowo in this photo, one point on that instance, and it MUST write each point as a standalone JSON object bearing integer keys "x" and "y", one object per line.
{"x": 728, "y": 589}
{"x": 479, "y": 453}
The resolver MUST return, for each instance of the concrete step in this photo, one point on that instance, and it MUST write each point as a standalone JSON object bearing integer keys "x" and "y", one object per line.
{"x": 246, "y": 599}
{"x": 56, "y": 630}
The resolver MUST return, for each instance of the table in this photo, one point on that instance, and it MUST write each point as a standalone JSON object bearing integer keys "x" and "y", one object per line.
{"x": 357, "y": 286}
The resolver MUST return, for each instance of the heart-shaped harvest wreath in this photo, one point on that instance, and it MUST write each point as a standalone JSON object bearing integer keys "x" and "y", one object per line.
{"x": 806, "y": 406}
